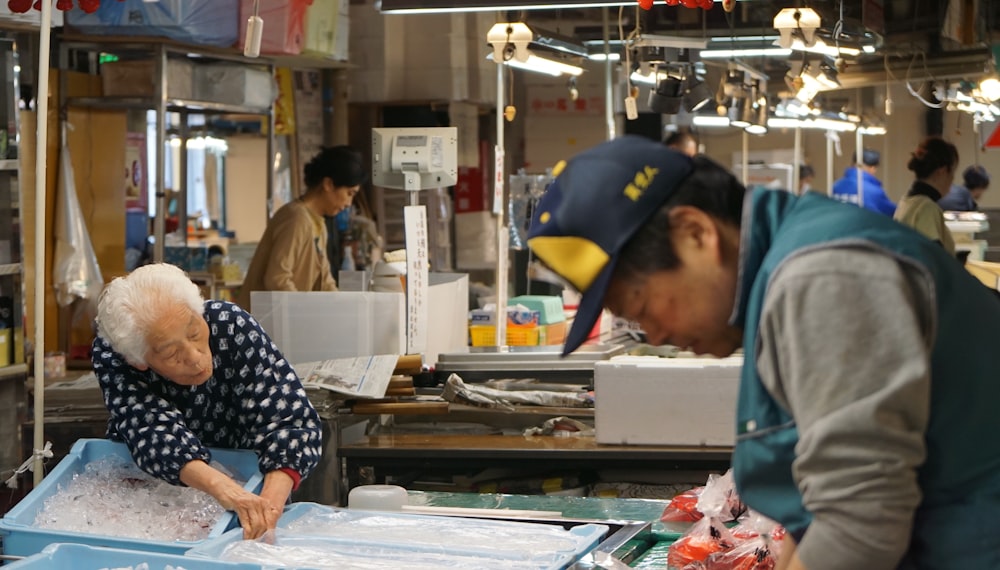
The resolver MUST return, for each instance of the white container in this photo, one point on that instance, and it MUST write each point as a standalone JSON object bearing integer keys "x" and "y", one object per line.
{"x": 311, "y": 326}
{"x": 647, "y": 400}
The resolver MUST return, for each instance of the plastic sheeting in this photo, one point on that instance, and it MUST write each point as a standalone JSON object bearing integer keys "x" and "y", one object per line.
{"x": 77, "y": 274}
{"x": 204, "y": 22}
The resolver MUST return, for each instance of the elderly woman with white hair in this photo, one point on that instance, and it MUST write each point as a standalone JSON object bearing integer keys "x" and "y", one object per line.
{"x": 181, "y": 374}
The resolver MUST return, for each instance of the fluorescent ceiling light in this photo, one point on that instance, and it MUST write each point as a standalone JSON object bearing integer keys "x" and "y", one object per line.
{"x": 871, "y": 131}
{"x": 817, "y": 123}
{"x": 990, "y": 88}
{"x": 744, "y": 52}
{"x": 544, "y": 65}
{"x": 756, "y": 129}
{"x": 823, "y": 48}
{"x": 680, "y": 42}
{"x": 651, "y": 78}
{"x": 450, "y": 6}
{"x": 710, "y": 121}
{"x": 613, "y": 56}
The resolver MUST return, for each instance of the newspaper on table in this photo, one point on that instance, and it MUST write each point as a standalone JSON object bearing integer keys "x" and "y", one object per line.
{"x": 361, "y": 377}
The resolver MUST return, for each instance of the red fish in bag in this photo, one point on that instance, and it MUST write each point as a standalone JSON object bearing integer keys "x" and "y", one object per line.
{"x": 706, "y": 537}
{"x": 753, "y": 554}
{"x": 683, "y": 507}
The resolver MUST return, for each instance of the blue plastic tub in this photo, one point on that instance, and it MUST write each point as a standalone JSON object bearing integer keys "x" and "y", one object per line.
{"x": 473, "y": 540}
{"x": 22, "y": 538}
{"x": 80, "y": 557}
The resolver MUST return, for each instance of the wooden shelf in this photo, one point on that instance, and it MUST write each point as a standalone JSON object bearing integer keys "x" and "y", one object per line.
{"x": 13, "y": 370}
{"x": 10, "y": 269}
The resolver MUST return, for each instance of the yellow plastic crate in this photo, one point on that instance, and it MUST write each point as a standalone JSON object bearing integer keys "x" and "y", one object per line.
{"x": 485, "y": 335}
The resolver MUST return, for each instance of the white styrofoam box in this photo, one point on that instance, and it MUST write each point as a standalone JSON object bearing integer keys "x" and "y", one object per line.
{"x": 447, "y": 309}
{"x": 310, "y": 326}
{"x": 647, "y": 400}
{"x": 320, "y": 325}
{"x": 234, "y": 85}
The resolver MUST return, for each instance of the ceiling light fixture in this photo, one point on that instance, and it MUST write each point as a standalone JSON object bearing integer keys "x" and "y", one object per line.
{"x": 745, "y": 52}
{"x": 544, "y": 65}
{"x": 511, "y": 41}
{"x": 796, "y": 23}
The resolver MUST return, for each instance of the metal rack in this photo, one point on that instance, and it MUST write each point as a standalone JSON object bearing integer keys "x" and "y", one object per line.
{"x": 160, "y": 51}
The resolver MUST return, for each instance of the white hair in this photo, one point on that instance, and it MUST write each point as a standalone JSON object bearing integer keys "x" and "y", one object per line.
{"x": 129, "y": 304}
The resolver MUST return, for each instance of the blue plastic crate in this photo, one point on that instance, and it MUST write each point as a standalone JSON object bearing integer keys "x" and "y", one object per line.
{"x": 585, "y": 537}
{"x": 22, "y": 538}
{"x": 80, "y": 557}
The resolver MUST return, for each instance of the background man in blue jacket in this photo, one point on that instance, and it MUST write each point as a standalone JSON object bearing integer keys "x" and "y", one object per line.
{"x": 874, "y": 198}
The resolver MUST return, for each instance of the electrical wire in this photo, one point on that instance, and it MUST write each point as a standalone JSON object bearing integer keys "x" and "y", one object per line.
{"x": 910, "y": 88}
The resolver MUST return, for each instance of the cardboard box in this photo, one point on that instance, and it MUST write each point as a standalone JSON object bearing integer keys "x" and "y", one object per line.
{"x": 234, "y": 85}
{"x": 647, "y": 400}
{"x": 136, "y": 78}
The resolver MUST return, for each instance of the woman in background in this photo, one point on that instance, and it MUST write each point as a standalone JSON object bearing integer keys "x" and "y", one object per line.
{"x": 933, "y": 163}
{"x": 291, "y": 255}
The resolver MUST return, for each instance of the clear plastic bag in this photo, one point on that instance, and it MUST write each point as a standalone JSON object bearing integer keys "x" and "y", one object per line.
{"x": 754, "y": 554}
{"x": 708, "y": 536}
{"x": 76, "y": 274}
{"x": 683, "y": 507}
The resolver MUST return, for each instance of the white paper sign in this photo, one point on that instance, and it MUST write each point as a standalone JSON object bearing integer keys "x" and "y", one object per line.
{"x": 417, "y": 285}
{"x": 498, "y": 182}
{"x": 364, "y": 376}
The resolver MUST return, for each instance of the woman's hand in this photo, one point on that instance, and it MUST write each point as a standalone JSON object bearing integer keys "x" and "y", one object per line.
{"x": 257, "y": 514}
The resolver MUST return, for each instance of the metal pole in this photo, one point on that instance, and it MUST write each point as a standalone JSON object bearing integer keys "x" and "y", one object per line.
{"x": 859, "y": 152}
{"x": 182, "y": 183}
{"x": 159, "y": 223}
{"x": 745, "y": 160}
{"x": 271, "y": 158}
{"x": 829, "y": 165}
{"x": 797, "y": 161}
{"x": 609, "y": 107}
{"x": 498, "y": 209}
{"x": 41, "y": 144}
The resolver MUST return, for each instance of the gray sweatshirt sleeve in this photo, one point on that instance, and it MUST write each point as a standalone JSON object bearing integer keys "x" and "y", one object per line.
{"x": 844, "y": 345}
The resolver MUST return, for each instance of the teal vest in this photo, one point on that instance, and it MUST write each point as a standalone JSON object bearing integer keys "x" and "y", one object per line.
{"x": 956, "y": 525}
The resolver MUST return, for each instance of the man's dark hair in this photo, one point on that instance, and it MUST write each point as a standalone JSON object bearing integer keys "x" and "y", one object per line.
{"x": 677, "y": 139}
{"x": 976, "y": 177}
{"x": 869, "y": 157}
{"x": 710, "y": 188}
{"x": 343, "y": 165}
{"x": 806, "y": 171}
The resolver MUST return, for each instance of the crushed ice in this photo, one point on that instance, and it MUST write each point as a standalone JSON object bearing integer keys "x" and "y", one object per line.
{"x": 113, "y": 497}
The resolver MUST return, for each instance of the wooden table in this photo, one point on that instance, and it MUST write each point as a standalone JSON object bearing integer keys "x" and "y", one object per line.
{"x": 403, "y": 456}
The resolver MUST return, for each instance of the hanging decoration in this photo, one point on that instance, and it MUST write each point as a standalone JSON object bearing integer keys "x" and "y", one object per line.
{"x": 693, "y": 4}
{"x": 22, "y": 6}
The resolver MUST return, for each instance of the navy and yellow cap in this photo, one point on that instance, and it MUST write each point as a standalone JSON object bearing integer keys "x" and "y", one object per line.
{"x": 598, "y": 201}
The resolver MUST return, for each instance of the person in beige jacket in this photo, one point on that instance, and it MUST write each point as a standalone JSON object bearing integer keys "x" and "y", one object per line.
{"x": 291, "y": 255}
{"x": 934, "y": 164}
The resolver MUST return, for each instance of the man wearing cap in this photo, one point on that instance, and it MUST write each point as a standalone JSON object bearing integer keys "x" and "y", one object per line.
{"x": 870, "y": 375}
{"x": 870, "y": 195}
